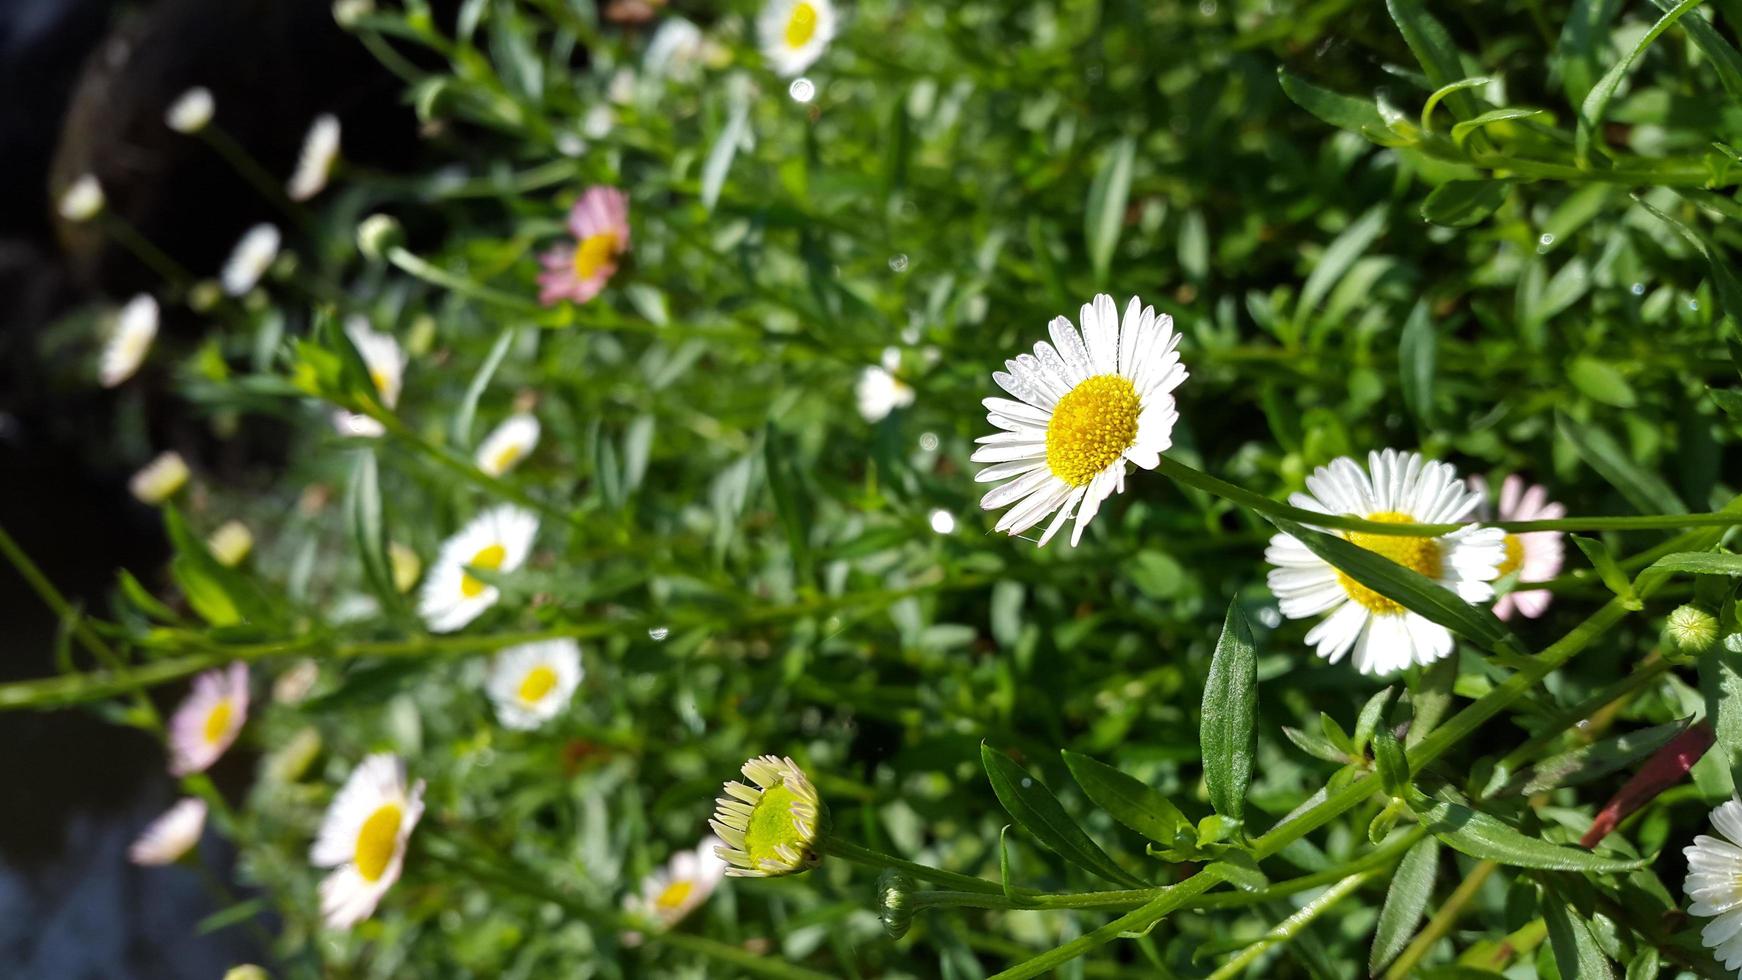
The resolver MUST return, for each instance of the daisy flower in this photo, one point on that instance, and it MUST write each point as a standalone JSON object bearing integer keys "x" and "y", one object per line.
{"x": 674, "y": 891}
{"x": 530, "y": 684}
{"x": 771, "y": 828}
{"x": 795, "y": 33}
{"x": 363, "y": 837}
{"x": 1403, "y": 488}
{"x": 82, "y": 199}
{"x": 1086, "y": 405}
{"x": 134, "y": 331}
{"x": 508, "y": 444}
{"x": 1536, "y": 555}
{"x": 879, "y": 391}
{"x": 385, "y": 362}
{"x": 496, "y": 540}
{"x": 320, "y": 150}
{"x": 171, "y": 835}
{"x": 675, "y": 51}
{"x": 249, "y": 260}
{"x": 208, "y": 719}
{"x": 1714, "y": 884}
{"x": 159, "y": 479}
{"x": 600, "y": 223}
{"x": 190, "y": 112}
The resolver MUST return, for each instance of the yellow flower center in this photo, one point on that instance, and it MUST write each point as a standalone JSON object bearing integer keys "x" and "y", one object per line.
{"x": 381, "y": 381}
{"x": 488, "y": 559}
{"x": 536, "y": 684}
{"x": 592, "y": 254}
{"x": 802, "y": 26}
{"x": 505, "y": 458}
{"x": 377, "y": 841}
{"x": 1514, "y": 556}
{"x": 1420, "y": 555}
{"x": 674, "y": 895}
{"x": 218, "y": 720}
{"x": 1091, "y": 426}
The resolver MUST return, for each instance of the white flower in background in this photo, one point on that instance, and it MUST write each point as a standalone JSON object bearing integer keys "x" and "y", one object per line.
{"x": 250, "y": 259}
{"x": 1535, "y": 555}
{"x": 231, "y": 543}
{"x": 1403, "y": 488}
{"x": 171, "y": 835}
{"x": 385, "y": 360}
{"x": 795, "y": 33}
{"x": 530, "y": 684}
{"x": 879, "y": 391}
{"x": 294, "y": 685}
{"x": 1087, "y": 404}
{"x": 676, "y": 50}
{"x": 192, "y": 111}
{"x": 320, "y": 150}
{"x": 208, "y": 720}
{"x": 159, "y": 479}
{"x": 363, "y": 837}
{"x": 135, "y": 329}
{"x": 508, "y": 444}
{"x": 407, "y": 566}
{"x": 676, "y": 890}
{"x": 82, "y": 199}
{"x": 1714, "y": 884}
{"x": 496, "y": 540}
{"x": 769, "y": 829}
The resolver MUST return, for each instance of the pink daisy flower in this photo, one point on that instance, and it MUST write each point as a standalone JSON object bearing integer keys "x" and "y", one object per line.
{"x": 1537, "y": 555}
{"x": 600, "y": 223}
{"x": 208, "y": 720}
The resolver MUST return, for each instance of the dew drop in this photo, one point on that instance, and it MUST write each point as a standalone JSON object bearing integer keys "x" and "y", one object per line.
{"x": 801, "y": 90}
{"x": 943, "y": 522}
{"x": 898, "y": 262}
{"x": 928, "y": 441}
{"x": 1637, "y": 289}
{"x": 658, "y": 634}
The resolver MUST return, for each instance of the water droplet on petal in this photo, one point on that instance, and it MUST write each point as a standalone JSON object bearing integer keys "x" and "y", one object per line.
{"x": 658, "y": 634}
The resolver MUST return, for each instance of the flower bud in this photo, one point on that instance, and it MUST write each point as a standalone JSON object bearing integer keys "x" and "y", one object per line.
{"x": 376, "y": 235}
{"x": 246, "y": 971}
{"x": 1692, "y": 628}
{"x": 348, "y": 12}
{"x": 82, "y": 199}
{"x": 190, "y": 112}
{"x": 895, "y": 902}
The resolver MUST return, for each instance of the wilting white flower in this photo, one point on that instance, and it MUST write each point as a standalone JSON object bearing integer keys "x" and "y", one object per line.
{"x": 795, "y": 33}
{"x": 159, "y": 479}
{"x": 1535, "y": 555}
{"x": 208, "y": 720}
{"x": 320, "y": 150}
{"x": 364, "y": 837}
{"x": 530, "y": 684}
{"x": 1714, "y": 884}
{"x": 498, "y": 540}
{"x": 82, "y": 199}
{"x": 249, "y": 260}
{"x": 1402, "y": 488}
{"x": 191, "y": 111}
{"x": 674, "y": 891}
{"x": 171, "y": 835}
{"x": 135, "y": 328}
{"x": 508, "y": 444}
{"x": 385, "y": 361}
{"x": 879, "y": 391}
{"x": 771, "y": 828}
{"x": 1086, "y": 405}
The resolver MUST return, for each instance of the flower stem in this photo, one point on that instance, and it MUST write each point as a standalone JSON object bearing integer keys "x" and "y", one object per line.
{"x": 1288, "y": 928}
{"x": 849, "y": 851}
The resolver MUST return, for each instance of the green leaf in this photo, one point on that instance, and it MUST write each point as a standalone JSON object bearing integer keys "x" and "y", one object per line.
{"x": 1596, "y": 104}
{"x": 1700, "y": 563}
{"x": 1416, "y": 350}
{"x": 143, "y": 600}
{"x": 1721, "y": 687}
{"x": 1608, "y": 569}
{"x": 1427, "y": 109}
{"x": 1037, "y": 811}
{"x": 468, "y": 407}
{"x": 1593, "y": 761}
{"x": 1723, "y": 56}
{"x": 1461, "y": 132}
{"x": 1341, "y": 111}
{"x": 1728, "y": 399}
{"x": 369, "y": 530}
{"x": 1315, "y": 745}
{"x": 1644, "y": 489}
{"x": 1128, "y": 800}
{"x": 1339, "y": 256}
{"x": 719, "y": 162}
{"x": 1371, "y": 717}
{"x": 1432, "y": 46}
{"x": 1405, "y": 902}
{"x": 1391, "y": 763}
{"x": 232, "y": 915}
{"x": 1482, "y": 836}
{"x": 219, "y": 595}
{"x": 1230, "y": 705}
{"x": 1601, "y": 381}
{"x": 1463, "y": 203}
{"x": 1104, "y": 216}
{"x": 1238, "y": 868}
{"x": 790, "y": 500}
{"x": 1405, "y": 586}
{"x": 1575, "y": 953}
{"x": 1724, "y": 280}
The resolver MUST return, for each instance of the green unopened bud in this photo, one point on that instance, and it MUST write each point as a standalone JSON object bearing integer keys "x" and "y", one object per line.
{"x": 376, "y": 235}
{"x": 1693, "y": 629}
{"x": 895, "y": 902}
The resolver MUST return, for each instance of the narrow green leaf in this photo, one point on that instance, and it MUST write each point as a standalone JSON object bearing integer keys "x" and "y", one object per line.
{"x": 1721, "y": 687}
{"x": 142, "y": 599}
{"x": 725, "y": 148}
{"x": 1432, "y": 46}
{"x": 1104, "y": 217}
{"x": 1341, "y": 111}
{"x": 1601, "y": 381}
{"x": 1724, "y": 57}
{"x": 1427, "y": 109}
{"x": 1339, "y": 256}
{"x": 1584, "y": 32}
{"x": 1237, "y": 868}
{"x": 1596, "y": 104}
{"x": 468, "y": 407}
{"x": 369, "y": 529}
{"x": 1463, "y": 203}
{"x": 1644, "y": 965}
{"x": 1724, "y": 279}
{"x": 1575, "y": 952}
{"x": 790, "y": 499}
{"x": 1315, "y": 745}
{"x": 220, "y": 595}
{"x": 1128, "y": 800}
{"x": 231, "y": 915}
{"x": 1728, "y": 399}
{"x": 1461, "y": 132}
{"x": 1482, "y": 836}
{"x": 1593, "y": 761}
{"x": 1037, "y": 811}
{"x": 1405, "y": 586}
{"x": 1644, "y": 489}
{"x": 1700, "y": 563}
{"x": 1417, "y": 349}
{"x": 1405, "y": 902}
{"x": 1391, "y": 763}
{"x": 1230, "y": 705}
{"x": 1371, "y": 716}
{"x": 1608, "y": 569}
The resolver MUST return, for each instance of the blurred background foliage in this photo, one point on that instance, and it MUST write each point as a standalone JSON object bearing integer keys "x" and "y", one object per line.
{"x": 754, "y": 567}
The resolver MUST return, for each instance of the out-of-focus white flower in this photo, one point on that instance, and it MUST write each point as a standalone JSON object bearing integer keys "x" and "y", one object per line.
{"x": 82, "y": 200}
{"x": 159, "y": 479}
{"x": 171, "y": 835}
{"x": 208, "y": 720}
{"x": 508, "y": 444}
{"x": 795, "y": 33}
{"x": 674, "y": 891}
{"x": 497, "y": 540}
{"x": 135, "y": 328}
{"x": 231, "y": 543}
{"x": 191, "y": 111}
{"x": 292, "y": 686}
{"x": 320, "y": 150}
{"x": 676, "y": 50}
{"x": 385, "y": 361}
{"x": 1535, "y": 555}
{"x": 530, "y": 684}
{"x": 879, "y": 391}
{"x": 364, "y": 837}
{"x": 407, "y": 567}
{"x": 250, "y": 259}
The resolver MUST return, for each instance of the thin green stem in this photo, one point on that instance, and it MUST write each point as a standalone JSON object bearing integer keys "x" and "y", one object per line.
{"x": 849, "y": 851}
{"x": 251, "y": 170}
{"x": 121, "y": 230}
{"x": 1137, "y": 920}
{"x": 51, "y": 597}
{"x": 422, "y": 268}
{"x": 1290, "y": 927}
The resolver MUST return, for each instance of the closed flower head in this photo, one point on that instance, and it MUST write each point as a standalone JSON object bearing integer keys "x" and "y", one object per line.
{"x": 135, "y": 328}
{"x": 770, "y": 827}
{"x": 171, "y": 835}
